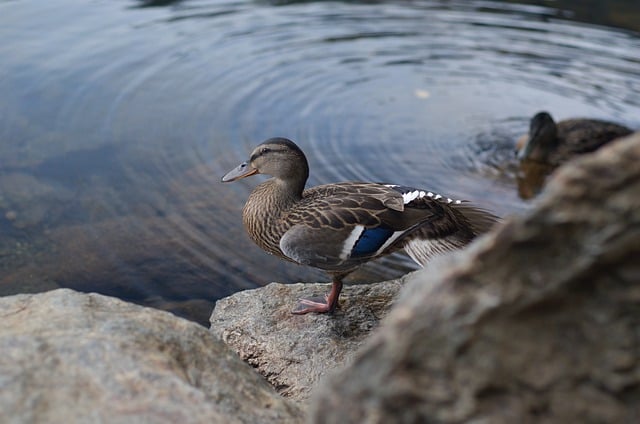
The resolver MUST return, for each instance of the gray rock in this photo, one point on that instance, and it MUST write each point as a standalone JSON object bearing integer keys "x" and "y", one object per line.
{"x": 70, "y": 357}
{"x": 537, "y": 322}
{"x": 293, "y": 352}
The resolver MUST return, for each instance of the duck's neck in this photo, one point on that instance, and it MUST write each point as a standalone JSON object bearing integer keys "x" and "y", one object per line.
{"x": 265, "y": 208}
{"x": 547, "y": 143}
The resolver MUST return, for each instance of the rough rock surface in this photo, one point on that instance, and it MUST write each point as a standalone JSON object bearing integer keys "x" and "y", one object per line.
{"x": 69, "y": 357}
{"x": 294, "y": 351}
{"x": 537, "y": 322}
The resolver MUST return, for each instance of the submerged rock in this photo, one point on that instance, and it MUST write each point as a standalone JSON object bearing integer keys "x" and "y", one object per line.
{"x": 27, "y": 201}
{"x": 293, "y": 352}
{"x": 71, "y": 357}
{"x": 536, "y": 322}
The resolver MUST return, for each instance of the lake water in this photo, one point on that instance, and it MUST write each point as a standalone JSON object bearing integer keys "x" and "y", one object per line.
{"x": 118, "y": 118}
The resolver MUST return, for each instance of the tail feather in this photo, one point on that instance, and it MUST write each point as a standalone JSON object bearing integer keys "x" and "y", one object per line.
{"x": 423, "y": 250}
{"x": 480, "y": 220}
{"x": 473, "y": 221}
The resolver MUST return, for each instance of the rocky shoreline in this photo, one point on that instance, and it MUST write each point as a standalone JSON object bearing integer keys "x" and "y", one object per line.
{"x": 294, "y": 352}
{"x": 535, "y": 322}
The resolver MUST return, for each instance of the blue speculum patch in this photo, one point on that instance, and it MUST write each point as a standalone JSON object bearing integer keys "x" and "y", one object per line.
{"x": 371, "y": 240}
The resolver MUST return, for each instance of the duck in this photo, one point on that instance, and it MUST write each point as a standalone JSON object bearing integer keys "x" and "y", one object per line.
{"x": 338, "y": 227}
{"x": 552, "y": 143}
{"x": 549, "y": 145}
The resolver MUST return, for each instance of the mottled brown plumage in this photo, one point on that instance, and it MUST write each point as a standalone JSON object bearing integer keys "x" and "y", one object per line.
{"x": 554, "y": 143}
{"x": 337, "y": 227}
{"x": 550, "y": 144}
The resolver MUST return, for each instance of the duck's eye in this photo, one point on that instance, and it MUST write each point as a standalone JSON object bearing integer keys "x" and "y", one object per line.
{"x": 265, "y": 150}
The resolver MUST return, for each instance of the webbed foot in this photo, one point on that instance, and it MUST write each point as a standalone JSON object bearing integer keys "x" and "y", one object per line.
{"x": 315, "y": 304}
{"x": 321, "y": 305}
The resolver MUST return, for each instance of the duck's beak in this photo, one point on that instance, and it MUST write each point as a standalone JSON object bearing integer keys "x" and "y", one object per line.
{"x": 521, "y": 146}
{"x": 241, "y": 171}
{"x": 534, "y": 141}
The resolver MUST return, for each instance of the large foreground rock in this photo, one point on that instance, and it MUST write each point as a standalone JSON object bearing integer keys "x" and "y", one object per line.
{"x": 537, "y": 322}
{"x": 294, "y": 351}
{"x": 70, "y": 357}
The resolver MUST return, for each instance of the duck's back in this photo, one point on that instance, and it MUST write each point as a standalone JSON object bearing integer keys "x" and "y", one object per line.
{"x": 341, "y": 205}
{"x": 578, "y": 136}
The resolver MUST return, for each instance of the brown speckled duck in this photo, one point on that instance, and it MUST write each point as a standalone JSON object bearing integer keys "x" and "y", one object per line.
{"x": 338, "y": 227}
{"x": 553, "y": 144}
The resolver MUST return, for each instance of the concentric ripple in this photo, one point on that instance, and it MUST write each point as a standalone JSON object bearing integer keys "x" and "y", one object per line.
{"x": 118, "y": 119}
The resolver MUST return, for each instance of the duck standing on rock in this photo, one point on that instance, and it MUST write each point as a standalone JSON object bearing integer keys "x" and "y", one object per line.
{"x": 550, "y": 144}
{"x": 338, "y": 227}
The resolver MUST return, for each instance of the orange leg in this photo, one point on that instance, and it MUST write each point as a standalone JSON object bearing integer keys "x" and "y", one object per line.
{"x": 321, "y": 305}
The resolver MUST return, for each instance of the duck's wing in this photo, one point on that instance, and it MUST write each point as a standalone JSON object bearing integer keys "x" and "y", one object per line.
{"x": 340, "y": 226}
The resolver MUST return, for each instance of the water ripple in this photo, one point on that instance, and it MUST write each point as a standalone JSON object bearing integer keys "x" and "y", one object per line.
{"x": 159, "y": 99}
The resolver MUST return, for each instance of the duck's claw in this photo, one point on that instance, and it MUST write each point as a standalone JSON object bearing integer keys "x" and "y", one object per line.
{"x": 315, "y": 304}
{"x": 321, "y": 305}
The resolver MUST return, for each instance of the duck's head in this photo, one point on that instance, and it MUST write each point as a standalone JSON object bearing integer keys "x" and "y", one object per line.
{"x": 542, "y": 138}
{"x": 279, "y": 157}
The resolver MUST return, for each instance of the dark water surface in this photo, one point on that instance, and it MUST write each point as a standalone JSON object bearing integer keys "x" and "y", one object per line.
{"x": 118, "y": 118}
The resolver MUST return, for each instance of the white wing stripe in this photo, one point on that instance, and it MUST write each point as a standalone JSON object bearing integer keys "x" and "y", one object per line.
{"x": 390, "y": 240}
{"x": 351, "y": 241}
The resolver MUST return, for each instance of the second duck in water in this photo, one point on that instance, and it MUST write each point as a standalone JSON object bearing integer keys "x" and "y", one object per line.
{"x": 553, "y": 143}
{"x": 550, "y": 144}
{"x": 338, "y": 227}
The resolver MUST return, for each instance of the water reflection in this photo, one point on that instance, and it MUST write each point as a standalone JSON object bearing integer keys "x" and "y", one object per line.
{"x": 117, "y": 125}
